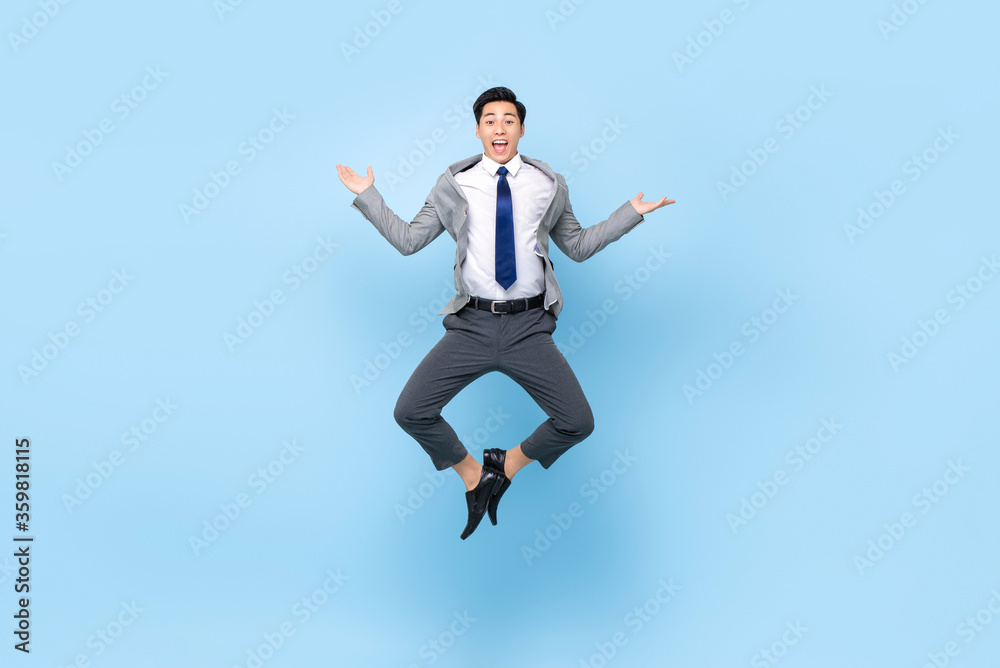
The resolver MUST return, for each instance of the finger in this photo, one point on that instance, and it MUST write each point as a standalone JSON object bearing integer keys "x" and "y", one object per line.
{"x": 639, "y": 196}
{"x": 370, "y": 171}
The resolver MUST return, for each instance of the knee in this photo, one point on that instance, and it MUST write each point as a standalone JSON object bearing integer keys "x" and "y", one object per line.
{"x": 581, "y": 425}
{"x": 407, "y": 413}
{"x": 403, "y": 412}
{"x": 586, "y": 425}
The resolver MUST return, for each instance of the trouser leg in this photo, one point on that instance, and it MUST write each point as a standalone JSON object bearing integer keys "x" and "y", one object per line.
{"x": 529, "y": 356}
{"x": 464, "y": 353}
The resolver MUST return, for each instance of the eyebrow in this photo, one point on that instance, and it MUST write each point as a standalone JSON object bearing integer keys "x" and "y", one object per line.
{"x": 506, "y": 113}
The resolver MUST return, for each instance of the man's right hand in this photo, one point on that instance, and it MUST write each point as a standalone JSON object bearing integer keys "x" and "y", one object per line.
{"x": 354, "y": 182}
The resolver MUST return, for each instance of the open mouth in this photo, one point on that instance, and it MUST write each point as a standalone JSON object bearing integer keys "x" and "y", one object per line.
{"x": 500, "y": 146}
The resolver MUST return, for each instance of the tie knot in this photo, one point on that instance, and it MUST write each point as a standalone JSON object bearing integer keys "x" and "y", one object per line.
{"x": 502, "y": 171}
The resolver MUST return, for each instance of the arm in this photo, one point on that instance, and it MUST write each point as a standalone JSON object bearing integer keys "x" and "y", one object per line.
{"x": 407, "y": 238}
{"x": 579, "y": 243}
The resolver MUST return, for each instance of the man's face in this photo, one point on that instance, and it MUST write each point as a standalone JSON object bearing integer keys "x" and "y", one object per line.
{"x": 499, "y": 128}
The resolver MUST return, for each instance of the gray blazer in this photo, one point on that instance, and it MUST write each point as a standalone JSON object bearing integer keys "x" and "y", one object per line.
{"x": 447, "y": 209}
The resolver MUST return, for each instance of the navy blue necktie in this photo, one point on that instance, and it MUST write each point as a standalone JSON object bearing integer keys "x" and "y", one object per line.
{"x": 505, "y": 269}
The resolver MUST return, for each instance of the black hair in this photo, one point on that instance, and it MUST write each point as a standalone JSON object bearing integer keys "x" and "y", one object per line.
{"x": 497, "y": 94}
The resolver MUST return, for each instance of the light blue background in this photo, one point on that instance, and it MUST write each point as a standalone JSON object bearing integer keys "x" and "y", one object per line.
{"x": 336, "y": 505}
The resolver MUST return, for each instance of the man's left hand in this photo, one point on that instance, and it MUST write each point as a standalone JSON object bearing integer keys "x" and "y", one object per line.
{"x": 642, "y": 208}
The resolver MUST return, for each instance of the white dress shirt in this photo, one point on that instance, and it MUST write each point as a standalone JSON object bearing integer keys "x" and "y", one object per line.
{"x": 530, "y": 190}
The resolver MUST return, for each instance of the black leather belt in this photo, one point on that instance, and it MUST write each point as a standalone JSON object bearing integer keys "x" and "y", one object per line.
{"x": 501, "y": 307}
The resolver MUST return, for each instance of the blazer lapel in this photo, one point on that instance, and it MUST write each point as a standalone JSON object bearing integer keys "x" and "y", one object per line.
{"x": 459, "y": 200}
{"x": 461, "y": 233}
{"x": 545, "y": 223}
{"x": 456, "y": 189}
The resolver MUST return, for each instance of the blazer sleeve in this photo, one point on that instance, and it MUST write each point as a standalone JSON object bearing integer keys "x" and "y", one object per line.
{"x": 580, "y": 243}
{"x": 407, "y": 238}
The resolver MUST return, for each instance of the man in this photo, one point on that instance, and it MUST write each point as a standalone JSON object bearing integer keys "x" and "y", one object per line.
{"x": 501, "y": 208}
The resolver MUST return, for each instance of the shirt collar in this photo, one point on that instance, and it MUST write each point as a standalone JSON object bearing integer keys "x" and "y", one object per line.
{"x": 491, "y": 165}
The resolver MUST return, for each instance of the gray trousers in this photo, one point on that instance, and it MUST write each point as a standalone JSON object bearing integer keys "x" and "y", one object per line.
{"x": 518, "y": 345}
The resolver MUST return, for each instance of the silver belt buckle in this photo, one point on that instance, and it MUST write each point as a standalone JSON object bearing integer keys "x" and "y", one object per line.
{"x": 493, "y": 307}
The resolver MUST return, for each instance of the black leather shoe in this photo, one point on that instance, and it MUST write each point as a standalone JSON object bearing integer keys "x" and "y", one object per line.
{"x": 494, "y": 458}
{"x": 478, "y": 497}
